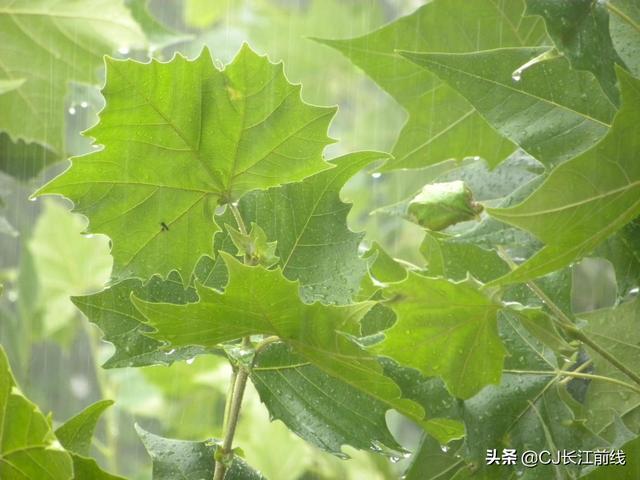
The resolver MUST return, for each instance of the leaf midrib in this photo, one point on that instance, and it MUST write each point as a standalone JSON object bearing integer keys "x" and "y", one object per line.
{"x": 430, "y": 59}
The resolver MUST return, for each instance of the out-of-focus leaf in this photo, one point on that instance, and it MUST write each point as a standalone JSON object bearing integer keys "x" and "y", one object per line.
{"x": 200, "y": 137}
{"x": 259, "y": 301}
{"x": 445, "y": 329}
{"x": 442, "y": 124}
{"x": 580, "y": 30}
{"x": 617, "y": 330}
{"x": 158, "y": 35}
{"x": 28, "y": 447}
{"x": 203, "y": 13}
{"x": 24, "y": 160}
{"x": 581, "y": 202}
{"x": 174, "y": 459}
{"x": 624, "y": 27}
{"x": 321, "y": 409}
{"x": 47, "y": 44}
{"x": 76, "y": 435}
{"x": 66, "y": 263}
{"x": 551, "y": 111}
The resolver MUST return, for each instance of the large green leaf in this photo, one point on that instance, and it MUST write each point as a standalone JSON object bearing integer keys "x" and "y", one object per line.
{"x": 309, "y": 222}
{"x": 23, "y": 160}
{"x": 580, "y": 30}
{"x": 624, "y": 27}
{"x": 586, "y": 199}
{"x": 526, "y": 411}
{"x": 445, "y": 329}
{"x": 442, "y": 124}
{"x": 180, "y": 138}
{"x": 535, "y": 108}
{"x": 76, "y": 436}
{"x": 47, "y": 43}
{"x": 629, "y": 471}
{"x": 617, "y": 330}
{"x": 260, "y": 301}
{"x": 122, "y": 324}
{"x": 319, "y": 408}
{"x": 189, "y": 460}
{"x": 28, "y": 448}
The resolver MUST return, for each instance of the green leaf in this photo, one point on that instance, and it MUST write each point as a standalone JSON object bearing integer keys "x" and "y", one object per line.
{"x": 624, "y": 27}
{"x": 309, "y": 222}
{"x": 254, "y": 245}
{"x": 441, "y": 124}
{"x": 526, "y": 412}
{"x": 629, "y": 471}
{"x": 159, "y": 35}
{"x": 77, "y": 432}
{"x": 76, "y": 435}
{"x": 28, "y": 448}
{"x": 600, "y": 201}
{"x": 24, "y": 160}
{"x": 189, "y": 460}
{"x": 580, "y": 31}
{"x": 319, "y": 408}
{"x": 199, "y": 137}
{"x": 455, "y": 260}
{"x": 432, "y": 462}
{"x": 623, "y": 251}
{"x": 438, "y": 206}
{"x": 46, "y": 45}
{"x": 258, "y": 301}
{"x": 122, "y": 324}
{"x": 66, "y": 264}
{"x": 534, "y": 108}
{"x": 617, "y": 330}
{"x": 445, "y": 329}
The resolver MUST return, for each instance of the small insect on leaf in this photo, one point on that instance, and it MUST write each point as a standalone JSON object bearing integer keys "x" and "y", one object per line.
{"x": 164, "y": 227}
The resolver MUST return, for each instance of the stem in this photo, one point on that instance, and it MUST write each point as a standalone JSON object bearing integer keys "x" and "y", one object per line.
{"x": 235, "y": 402}
{"x": 236, "y": 388}
{"x": 236, "y": 214}
{"x": 575, "y": 374}
{"x": 563, "y": 320}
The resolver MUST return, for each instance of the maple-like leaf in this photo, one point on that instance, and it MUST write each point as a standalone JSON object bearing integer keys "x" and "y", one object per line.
{"x": 259, "y": 301}
{"x": 181, "y": 138}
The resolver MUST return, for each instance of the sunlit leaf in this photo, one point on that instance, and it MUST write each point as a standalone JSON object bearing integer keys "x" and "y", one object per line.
{"x": 180, "y": 138}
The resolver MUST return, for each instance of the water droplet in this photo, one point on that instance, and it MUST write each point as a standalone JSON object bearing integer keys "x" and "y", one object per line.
{"x": 394, "y": 459}
{"x": 170, "y": 352}
{"x": 191, "y": 360}
{"x": 72, "y": 110}
{"x": 84, "y": 104}
{"x": 124, "y": 50}
{"x": 444, "y": 448}
{"x": 376, "y": 175}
